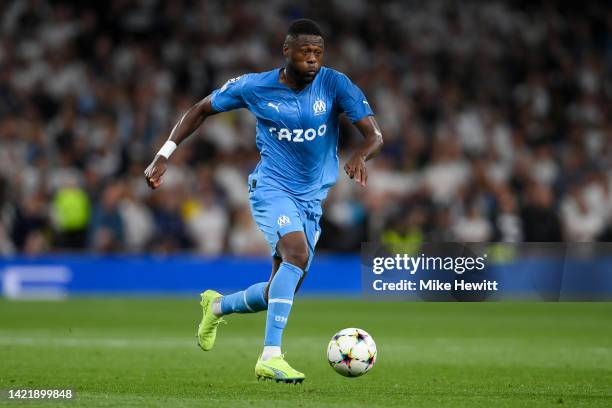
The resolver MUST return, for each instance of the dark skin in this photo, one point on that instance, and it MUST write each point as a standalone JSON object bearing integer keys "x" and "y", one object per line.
{"x": 303, "y": 60}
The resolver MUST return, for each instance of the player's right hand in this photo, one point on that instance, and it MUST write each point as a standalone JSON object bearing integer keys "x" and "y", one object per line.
{"x": 153, "y": 174}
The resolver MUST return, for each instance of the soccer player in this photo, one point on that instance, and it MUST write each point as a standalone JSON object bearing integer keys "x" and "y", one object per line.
{"x": 297, "y": 108}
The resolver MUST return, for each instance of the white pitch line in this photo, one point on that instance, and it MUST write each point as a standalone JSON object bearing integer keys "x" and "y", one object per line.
{"x": 84, "y": 342}
{"x": 178, "y": 342}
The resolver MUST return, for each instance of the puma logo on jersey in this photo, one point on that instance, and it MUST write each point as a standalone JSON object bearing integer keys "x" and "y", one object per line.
{"x": 274, "y": 106}
{"x": 298, "y": 135}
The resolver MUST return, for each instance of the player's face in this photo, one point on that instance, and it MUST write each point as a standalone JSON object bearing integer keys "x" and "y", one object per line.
{"x": 305, "y": 55}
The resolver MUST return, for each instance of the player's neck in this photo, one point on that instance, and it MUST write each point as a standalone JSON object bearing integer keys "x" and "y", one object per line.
{"x": 291, "y": 79}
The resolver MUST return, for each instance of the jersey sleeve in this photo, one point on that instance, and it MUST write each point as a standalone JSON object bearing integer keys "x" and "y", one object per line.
{"x": 230, "y": 95}
{"x": 351, "y": 99}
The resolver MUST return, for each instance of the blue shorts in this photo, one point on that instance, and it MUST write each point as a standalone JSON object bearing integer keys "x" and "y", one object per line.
{"x": 277, "y": 213}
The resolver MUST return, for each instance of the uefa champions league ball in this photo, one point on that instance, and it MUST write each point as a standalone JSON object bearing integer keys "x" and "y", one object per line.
{"x": 351, "y": 352}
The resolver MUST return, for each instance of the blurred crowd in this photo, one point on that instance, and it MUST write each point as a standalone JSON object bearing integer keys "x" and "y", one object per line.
{"x": 496, "y": 117}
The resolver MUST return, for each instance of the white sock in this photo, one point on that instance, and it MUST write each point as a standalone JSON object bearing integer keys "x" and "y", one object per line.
{"x": 270, "y": 351}
{"x": 216, "y": 307}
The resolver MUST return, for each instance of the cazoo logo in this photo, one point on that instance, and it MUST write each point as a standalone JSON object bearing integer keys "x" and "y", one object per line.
{"x": 298, "y": 135}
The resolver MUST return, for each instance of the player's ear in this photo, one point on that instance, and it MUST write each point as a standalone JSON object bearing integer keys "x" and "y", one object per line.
{"x": 287, "y": 46}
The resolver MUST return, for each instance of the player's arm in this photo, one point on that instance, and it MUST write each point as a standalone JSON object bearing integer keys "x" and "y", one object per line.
{"x": 189, "y": 122}
{"x": 356, "y": 167}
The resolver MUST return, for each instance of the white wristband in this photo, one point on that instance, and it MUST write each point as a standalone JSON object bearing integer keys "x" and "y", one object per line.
{"x": 167, "y": 149}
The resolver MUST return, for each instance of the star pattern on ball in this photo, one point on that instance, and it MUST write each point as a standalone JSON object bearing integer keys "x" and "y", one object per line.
{"x": 360, "y": 336}
{"x": 346, "y": 359}
{"x": 371, "y": 359}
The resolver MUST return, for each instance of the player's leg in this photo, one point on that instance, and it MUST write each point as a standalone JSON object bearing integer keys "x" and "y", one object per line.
{"x": 215, "y": 305}
{"x": 295, "y": 254}
{"x": 276, "y": 263}
{"x": 250, "y": 300}
{"x": 293, "y": 250}
{"x": 266, "y": 207}
{"x": 296, "y": 249}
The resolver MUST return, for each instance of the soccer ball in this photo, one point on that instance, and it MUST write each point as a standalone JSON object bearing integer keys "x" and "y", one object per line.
{"x": 351, "y": 352}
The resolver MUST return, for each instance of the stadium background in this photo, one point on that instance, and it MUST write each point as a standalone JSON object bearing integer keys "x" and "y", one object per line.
{"x": 496, "y": 118}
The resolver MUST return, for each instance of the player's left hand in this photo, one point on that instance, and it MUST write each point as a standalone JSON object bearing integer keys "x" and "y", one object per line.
{"x": 356, "y": 169}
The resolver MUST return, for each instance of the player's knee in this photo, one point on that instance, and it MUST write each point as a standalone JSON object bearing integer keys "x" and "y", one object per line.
{"x": 294, "y": 250}
{"x": 297, "y": 255}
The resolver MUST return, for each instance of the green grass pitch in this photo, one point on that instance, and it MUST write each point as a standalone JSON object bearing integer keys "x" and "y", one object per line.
{"x": 143, "y": 353}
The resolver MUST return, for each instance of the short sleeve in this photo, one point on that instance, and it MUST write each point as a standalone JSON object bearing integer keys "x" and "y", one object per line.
{"x": 230, "y": 95}
{"x": 351, "y": 99}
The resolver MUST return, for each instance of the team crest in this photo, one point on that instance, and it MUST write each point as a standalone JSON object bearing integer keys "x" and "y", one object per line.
{"x": 319, "y": 107}
{"x": 283, "y": 220}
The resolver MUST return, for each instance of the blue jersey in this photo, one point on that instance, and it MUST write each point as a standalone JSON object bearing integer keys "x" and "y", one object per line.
{"x": 297, "y": 131}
